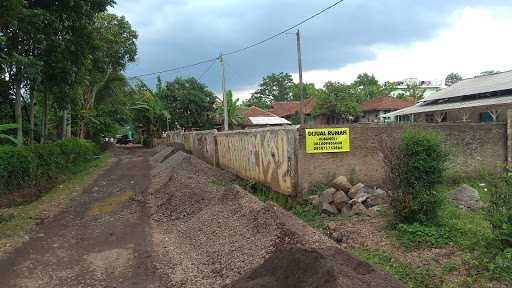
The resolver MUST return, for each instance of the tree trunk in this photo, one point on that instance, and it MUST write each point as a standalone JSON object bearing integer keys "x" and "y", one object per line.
{"x": 19, "y": 116}
{"x": 68, "y": 123}
{"x": 32, "y": 121}
{"x": 44, "y": 125}
{"x": 64, "y": 124}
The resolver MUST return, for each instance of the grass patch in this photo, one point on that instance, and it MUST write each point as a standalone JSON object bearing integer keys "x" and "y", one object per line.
{"x": 411, "y": 276}
{"x": 109, "y": 204}
{"x": 218, "y": 182}
{"x": 15, "y": 222}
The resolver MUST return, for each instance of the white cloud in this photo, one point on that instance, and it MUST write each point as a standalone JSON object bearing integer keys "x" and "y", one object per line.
{"x": 477, "y": 39}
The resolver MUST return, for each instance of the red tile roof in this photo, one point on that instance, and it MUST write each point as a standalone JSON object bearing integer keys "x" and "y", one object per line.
{"x": 383, "y": 103}
{"x": 283, "y": 109}
{"x": 252, "y": 111}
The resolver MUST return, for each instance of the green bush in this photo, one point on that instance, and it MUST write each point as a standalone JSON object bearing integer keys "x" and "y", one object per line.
{"x": 419, "y": 236}
{"x": 418, "y": 167}
{"x": 499, "y": 211}
{"x": 503, "y": 265}
{"x": 27, "y": 171}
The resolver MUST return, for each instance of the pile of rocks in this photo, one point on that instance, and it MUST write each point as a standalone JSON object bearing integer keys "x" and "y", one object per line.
{"x": 343, "y": 198}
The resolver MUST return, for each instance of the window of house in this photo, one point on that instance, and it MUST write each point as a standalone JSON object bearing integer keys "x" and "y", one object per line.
{"x": 429, "y": 118}
{"x": 485, "y": 117}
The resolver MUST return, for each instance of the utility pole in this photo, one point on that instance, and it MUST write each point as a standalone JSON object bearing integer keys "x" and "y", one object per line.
{"x": 224, "y": 100}
{"x": 301, "y": 84}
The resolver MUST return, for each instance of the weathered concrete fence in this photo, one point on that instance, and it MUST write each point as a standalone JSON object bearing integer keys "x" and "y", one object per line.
{"x": 277, "y": 157}
{"x": 263, "y": 155}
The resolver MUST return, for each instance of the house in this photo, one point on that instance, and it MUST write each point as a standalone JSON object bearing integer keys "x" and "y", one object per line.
{"x": 254, "y": 117}
{"x": 478, "y": 99}
{"x": 378, "y": 106}
{"x": 289, "y": 109}
{"x": 430, "y": 87}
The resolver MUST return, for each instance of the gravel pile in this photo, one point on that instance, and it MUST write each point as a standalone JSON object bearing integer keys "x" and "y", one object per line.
{"x": 207, "y": 232}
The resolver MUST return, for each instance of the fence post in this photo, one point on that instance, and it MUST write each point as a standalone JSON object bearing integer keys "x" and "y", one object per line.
{"x": 299, "y": 193}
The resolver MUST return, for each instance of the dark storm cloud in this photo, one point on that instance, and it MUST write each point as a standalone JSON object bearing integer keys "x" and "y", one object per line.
{"x": 178, "y": 32}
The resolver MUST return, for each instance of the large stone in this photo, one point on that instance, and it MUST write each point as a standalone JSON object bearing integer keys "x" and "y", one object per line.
{"x": 359, "y": 198}
{"x": 466, "y": 197}
{"x": 354, "y": 190}
{"x": 329, "y": 209}
{"x": 377, "y": 197}
{"x": 341, "y": 183}
{"x": 327, "y": 196}
{"x": 340, "y": 199}
{"x": 359, "y": 209}
{"x": 314, "y": 200}
{"x": 347, "y": 210}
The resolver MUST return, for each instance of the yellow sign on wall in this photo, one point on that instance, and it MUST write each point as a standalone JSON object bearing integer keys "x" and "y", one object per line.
{"x": 324, "y": 140}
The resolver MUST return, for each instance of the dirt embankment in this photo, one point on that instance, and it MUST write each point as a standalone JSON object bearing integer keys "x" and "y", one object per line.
{"x": 209, "y": 233}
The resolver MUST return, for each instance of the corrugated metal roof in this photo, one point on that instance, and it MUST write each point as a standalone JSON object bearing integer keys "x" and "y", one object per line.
{"x": 476, "y": 85}
{"x": 423, "y": 107}
{"x": 268, "y": 120}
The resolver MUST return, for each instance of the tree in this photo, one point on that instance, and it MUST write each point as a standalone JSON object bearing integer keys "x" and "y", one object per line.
{"x": 415, "y": 91}
{"x": 19, "y": 35}
{"x": 452, "y": 78}
{"x": 337, "y": 99}
{"x": 276, "y": 87}
{"x": 257, "y": 101}
{"x": 190, "y": 103}
{"x": 368, "y": 87}
{"x": 116, "y": 47}
{"x": 148, "y": 110}
{"x": 309, "y": 91}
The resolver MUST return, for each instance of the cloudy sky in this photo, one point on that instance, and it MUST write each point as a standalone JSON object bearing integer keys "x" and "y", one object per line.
{"x": 393, "y": 39}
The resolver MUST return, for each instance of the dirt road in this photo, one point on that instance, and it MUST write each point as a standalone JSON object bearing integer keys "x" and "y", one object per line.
{"x": 101, "y": 240}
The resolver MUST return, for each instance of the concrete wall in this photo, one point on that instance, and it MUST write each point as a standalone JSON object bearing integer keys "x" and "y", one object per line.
{"x": 264, "y": 155}
{"x": 473, "y": 148}
{"x": 277, "y": 156}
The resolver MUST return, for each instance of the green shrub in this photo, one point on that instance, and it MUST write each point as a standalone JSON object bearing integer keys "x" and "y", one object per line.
{"x": 418, "y": 167}
{"x": 499, "y": 211}
{"x": 503, "y": 265}
{"x": 419, "y": 236}
{"x": 27, "y": 171}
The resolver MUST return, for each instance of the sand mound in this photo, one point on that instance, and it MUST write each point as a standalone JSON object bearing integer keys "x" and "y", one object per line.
{"x": 208, "y": 232}
{"x": 311, "y": 268}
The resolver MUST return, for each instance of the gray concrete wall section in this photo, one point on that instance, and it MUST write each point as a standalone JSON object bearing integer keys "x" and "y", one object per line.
{"x": 277, "y": 156}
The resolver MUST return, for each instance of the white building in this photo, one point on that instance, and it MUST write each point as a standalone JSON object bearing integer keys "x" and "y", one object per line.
{"x": 430, "y": 87}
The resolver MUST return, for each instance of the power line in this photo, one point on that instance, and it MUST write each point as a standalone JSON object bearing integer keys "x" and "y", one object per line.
{"x": 284, "y": 31}
{"x": 246, "y": 47}
{"x": 175, "y": 68}
{"x": 206, "y": 71}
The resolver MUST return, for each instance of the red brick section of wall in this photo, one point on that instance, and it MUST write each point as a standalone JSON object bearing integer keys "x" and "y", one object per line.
{"x": 473, "y": 147}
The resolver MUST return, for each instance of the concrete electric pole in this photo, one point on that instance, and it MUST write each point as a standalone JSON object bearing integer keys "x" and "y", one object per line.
{"x": 301, "y": 84}
{"x": 224, "y": 100}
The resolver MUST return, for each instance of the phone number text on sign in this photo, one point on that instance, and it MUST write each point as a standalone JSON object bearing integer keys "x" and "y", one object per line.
{"x": 327, "y": 140}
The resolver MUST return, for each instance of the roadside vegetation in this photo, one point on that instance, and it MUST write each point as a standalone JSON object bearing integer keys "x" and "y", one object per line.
{"x": 425, "y": 240}
{"x": 16, "y": 221}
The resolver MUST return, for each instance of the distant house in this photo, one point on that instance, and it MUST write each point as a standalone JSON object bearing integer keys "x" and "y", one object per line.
{"x": 254, "y": 117}
{"x": 374, "y": 108}
{"x": 291, "y": 109}
{"x": 478, "y": 99}
{"x": 430, "y": 86}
